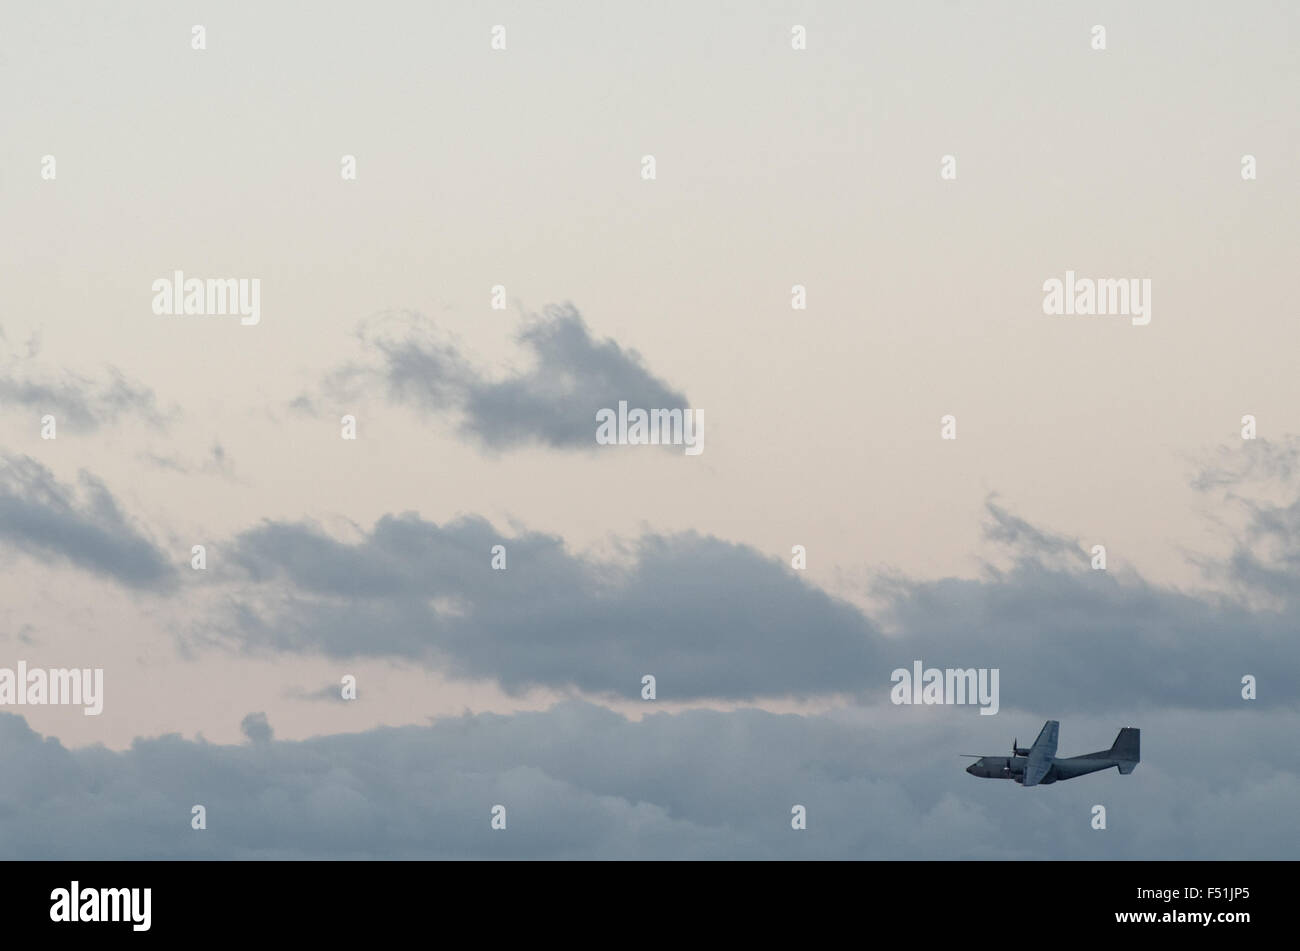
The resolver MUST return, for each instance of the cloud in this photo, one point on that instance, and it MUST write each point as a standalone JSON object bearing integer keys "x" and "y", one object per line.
{"x": 705, "y": 617}
{"x": 553, "y": 403}
{"x": 80, "y": 402}
{"x": 1068, "y": 638}
{"x": 53, "y": 522}
{"x": 1001, "y": 527}
{"x": 1259, "y": 488}
{"x": 715, "y": 620}
{"x": 217, "y": 463}
{"x": 1251, "y": 463}
{"x": 256, "y": 728}
{"x": 579, "y": 781}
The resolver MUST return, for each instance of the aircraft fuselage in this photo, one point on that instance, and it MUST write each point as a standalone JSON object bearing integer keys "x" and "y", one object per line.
{"x": 1041, "y": 766}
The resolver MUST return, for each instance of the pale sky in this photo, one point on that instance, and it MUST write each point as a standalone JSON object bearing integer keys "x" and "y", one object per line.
{"x": 774, "y": 167}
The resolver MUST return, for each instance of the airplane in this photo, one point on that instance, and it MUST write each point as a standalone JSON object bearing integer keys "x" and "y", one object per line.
{"x": 1039, "y": 765}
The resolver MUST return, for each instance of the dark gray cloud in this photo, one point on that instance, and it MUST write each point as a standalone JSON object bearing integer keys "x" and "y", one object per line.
{"x": 1070, "y": 638}
{"x": 705, "y": 617}
{"x": 579, "y": 781}
{"x": 45, "y": 519}
{"x": 256, "y": 728}
{"x": 552, "y": 403}
{"x": 711, "y": 619}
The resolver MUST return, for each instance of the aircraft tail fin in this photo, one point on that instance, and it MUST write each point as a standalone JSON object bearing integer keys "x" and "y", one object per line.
{"x": 1127, "y": 748}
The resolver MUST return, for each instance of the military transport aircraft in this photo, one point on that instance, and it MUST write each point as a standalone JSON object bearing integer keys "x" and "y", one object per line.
{"x": 1039, "y": 764}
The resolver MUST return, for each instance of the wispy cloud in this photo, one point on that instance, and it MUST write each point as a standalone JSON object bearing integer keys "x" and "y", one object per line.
{"x": 82, "y": 526}
{"x": 80, "y": 401}
{"x": 551, "y": 403}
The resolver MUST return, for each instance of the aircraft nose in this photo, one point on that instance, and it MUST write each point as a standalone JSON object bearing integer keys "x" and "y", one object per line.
{"x": 971, "y": 768}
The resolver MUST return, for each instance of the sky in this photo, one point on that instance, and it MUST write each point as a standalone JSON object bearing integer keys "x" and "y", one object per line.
{"x": 129, "y": 154}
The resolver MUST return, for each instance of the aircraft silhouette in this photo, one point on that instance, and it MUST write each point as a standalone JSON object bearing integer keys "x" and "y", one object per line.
{"x": 1039, "y": 765}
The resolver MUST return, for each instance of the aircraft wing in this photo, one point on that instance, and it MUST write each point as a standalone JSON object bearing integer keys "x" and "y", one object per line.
{"x": 1042, "y": 753}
